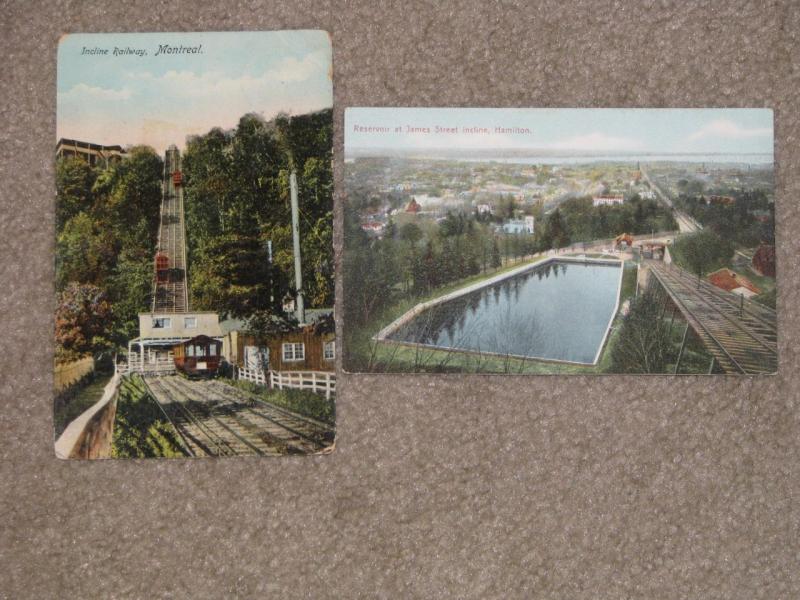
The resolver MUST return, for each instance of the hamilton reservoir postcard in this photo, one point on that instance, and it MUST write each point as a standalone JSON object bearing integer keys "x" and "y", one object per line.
{"x": 559, "y": 241}
{"x": 194, "y": 255}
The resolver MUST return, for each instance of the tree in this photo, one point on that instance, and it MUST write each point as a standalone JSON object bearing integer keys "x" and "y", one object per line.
{"x": 555, "y": 234}
{"x": 496, "y": 261}
{"x": 83, "y": 313}
{"x": 702, "y": 251}
{"x": 237, "y": 186}
{"x": 74, "y": 181}
{"x": 231, "y": 276}
{"x": 85, "y": 252}
{"x": 411, "y": 232}
{"x": 643, "y": 344}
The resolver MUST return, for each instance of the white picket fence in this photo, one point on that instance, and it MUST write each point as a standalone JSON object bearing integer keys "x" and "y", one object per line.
{"x": 162, "y": 366}
{"x": 254, "y": 375}
{"x": 321, "y": 382}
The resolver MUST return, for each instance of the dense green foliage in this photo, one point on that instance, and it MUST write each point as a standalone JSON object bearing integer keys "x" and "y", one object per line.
{"x": 643, "y": 345}
{"x": 303, "y": 402}
{"x": 651, "y": 336}
{"x": 747, "y": 222}
{"x": 585, "y": 222}
{"x": 106, "y": 230}
{"x": 140, "y": 429}
{"x": 702, "y": 252}
{"x": 237, "y": 200}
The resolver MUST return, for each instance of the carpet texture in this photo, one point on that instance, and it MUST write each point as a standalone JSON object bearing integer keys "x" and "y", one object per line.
{"x": 441, "y": 486}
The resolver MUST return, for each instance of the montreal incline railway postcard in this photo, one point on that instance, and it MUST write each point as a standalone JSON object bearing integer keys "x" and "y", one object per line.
{"x": 194, "y": 255}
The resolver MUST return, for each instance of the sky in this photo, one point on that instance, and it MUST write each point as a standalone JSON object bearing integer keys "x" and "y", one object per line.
{"x": 672, "y": 131}
{"x": 159, "y": 99}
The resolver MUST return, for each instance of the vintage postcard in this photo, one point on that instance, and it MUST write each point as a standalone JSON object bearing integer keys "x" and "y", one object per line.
{"x": 194, "y": 255}
{"x": 559, "y": 241}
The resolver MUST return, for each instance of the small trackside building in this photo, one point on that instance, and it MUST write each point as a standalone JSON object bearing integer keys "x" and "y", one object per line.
{"x": 159, "y": 332}
{"x": 310, "y": 347}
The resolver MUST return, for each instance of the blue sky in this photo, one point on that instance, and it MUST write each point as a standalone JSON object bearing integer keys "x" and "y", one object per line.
{"x": 160, "y": 99}
{"x": 570, "y": 130}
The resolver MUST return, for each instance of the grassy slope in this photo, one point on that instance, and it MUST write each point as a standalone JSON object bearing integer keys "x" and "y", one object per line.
{"x": 140, "y": 429}
{"x": 83, "y": 399}
{"x": 303, "y": 402}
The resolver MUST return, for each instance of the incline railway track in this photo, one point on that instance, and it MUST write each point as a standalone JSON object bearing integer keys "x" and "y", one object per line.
{"x": 216, "y": 419}
{"x": 171, "y": 294}
{"x": 741, "y": 335}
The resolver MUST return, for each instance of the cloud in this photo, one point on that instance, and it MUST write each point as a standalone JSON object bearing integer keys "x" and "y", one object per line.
{"x": 171, "y": 105}
{"x": 215, "y": 83}
{"x": 598, "y": 141}
{"x": 728, "y": 129}
{"x": 83, "y": 91}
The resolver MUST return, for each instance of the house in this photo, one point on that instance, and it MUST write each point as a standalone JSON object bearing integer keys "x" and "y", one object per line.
{"x": 160, "y": 331}
{"x": 764, "y": 260}
{"x": 608, "y": 200}
{"x": 733, "y": 282}
{"x": 484, "y": 209}
{"x": 413, "y": 207}
{"x": 309, "y": 347}
{"x": 654, "y": 250}
{"x": 373, "y": 228}
{"x": 94, "y": 154}
{"x": 518, "y": 226}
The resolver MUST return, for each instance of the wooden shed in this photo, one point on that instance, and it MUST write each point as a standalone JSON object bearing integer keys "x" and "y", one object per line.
{"x": 305, "y": 349}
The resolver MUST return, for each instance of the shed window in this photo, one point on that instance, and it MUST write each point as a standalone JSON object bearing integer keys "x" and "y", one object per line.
{"x": 329, "y": 350}
{"x": 189, "y": 350}
{"x": 199, "y": 351}
{"x": 212, "y": 349}
{"x": 162, "y": 322}
{"x": 294, "y": 352}
{"x": 189, "y": 322}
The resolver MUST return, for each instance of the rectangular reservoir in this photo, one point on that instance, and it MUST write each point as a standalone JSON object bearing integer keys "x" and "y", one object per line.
{"x": 560, "y": 310}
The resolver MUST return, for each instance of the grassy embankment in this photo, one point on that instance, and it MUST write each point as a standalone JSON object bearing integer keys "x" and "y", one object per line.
{"x": 71, "y": 403}
{"x": 140, "y": 429}
{"x": 365, "y": 355}
{"x": 766, "y": 284}
{"x": 303, "y": 402}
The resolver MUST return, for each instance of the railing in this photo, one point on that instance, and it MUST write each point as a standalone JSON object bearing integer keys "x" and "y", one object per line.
{"x": 253, "y": 375}
{"x": 323, "y": 382}
{"x": 160, "y": 366}
{"x": 316, "y": 381}
{"x": 90, "y": 435}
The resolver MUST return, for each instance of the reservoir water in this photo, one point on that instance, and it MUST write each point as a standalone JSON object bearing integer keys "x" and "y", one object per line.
{"x": 558, "y": 311}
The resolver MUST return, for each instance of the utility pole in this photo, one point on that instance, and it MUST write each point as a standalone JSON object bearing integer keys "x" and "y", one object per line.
{"x": 300, "y": 311}
{"x": 271, "y": 279}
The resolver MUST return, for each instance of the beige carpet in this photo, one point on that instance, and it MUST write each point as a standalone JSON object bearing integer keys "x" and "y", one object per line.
{"x": 468, "y": 487}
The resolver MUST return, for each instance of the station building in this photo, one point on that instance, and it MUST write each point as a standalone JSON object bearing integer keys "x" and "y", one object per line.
{"x": 97, "y": 155}
{"x": 160, "y": 332}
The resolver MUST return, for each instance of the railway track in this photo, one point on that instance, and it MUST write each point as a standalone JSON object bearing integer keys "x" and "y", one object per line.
{"x": 172, "y": 295}
{"x": 216, "y": 419}
{"x": 741, "y": 335}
